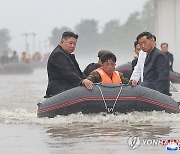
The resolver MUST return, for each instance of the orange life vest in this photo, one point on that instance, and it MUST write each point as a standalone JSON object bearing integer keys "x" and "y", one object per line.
{"x": 106, "y": 79}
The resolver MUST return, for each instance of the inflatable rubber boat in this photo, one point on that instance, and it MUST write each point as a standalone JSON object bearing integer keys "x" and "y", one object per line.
{"x": 39, "y": 64}
{"x": 126, "y": 69}
{"x": 16, "y": 68}
{"x": 106, "y": 98}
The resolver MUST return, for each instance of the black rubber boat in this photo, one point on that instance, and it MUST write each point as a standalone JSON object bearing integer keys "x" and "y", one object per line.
{"x": 126, "y": 69}
{"x": 106, "y": 98}
{"x": 39, "y": 64}
{"x": 16, "y": 68}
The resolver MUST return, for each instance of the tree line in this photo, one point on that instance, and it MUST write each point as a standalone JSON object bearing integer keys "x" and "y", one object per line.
{"x": 114, "y": 35}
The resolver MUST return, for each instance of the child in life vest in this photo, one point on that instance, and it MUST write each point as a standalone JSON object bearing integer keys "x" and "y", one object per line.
{"x": 106, "y": 73}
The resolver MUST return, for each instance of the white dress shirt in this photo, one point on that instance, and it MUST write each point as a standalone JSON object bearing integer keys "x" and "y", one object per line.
{"x": 139, "y": 68}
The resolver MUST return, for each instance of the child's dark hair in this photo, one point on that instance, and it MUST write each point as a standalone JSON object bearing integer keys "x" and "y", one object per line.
{"x": 108, "y": 56}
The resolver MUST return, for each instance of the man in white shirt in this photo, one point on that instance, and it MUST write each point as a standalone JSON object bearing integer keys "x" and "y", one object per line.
{"x": 138, "y": 69}
{"x": 156, "y": 65}
{"x": 137, "y": 73}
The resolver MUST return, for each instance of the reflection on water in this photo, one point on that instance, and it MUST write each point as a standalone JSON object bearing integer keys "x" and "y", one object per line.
{"x": 106, "y": 138}
{"x": 97, "y": 130}
{"x": 76, "y": 133}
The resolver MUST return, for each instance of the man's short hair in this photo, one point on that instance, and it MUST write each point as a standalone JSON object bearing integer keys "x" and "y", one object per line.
{"x": 154, "y": 37}
{"x": 101, "y": 52}
{"x": 108, "y": 56}
{"x": 147, "y": 34}
{"x": 164, "y": 44}
{"x": 68, "y": 34}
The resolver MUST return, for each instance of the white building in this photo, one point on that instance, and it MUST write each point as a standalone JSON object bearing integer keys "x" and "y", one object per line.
{"x": 167, "y": 27}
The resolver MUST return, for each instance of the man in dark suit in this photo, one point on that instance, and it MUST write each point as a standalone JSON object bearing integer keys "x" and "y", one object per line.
{"x": 164, "y": 49}
{"x": 63, "y": 69}
{"x": 156, "y": 66}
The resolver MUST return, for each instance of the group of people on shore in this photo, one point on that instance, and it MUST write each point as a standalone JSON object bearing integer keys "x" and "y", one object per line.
{"x": 25, "y": 58}
{"x": 152, "y": 67}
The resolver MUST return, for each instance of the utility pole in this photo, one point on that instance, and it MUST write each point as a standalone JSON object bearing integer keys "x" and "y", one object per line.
{"x": 33, "y": 41}
{"x": 40, "y": 46}
{"x": 45, "y": 46}
{"x": 26, "y": 42}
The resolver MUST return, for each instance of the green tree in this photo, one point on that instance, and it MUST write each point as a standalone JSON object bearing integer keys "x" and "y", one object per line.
{"x": 148, "y": 16}
{"x": 137, "y": 23}
{"x": 114, "y": 36}
{"x": 129, "y": 31}
{"x": 5, "y": 39}
{"x": 110, "y": 34}
{"x": 56, "y": 35}
{"x": 88, "y": 36}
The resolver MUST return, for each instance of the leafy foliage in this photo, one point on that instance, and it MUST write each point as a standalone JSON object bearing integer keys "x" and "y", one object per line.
{"x": 56, "y": 33}
{"x": 5, "y": 39}
{"x": 88, "y": 35}
{"x": 114, "y": 36}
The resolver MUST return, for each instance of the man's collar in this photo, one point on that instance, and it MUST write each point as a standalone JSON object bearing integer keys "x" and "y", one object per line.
{"x": 153, "y": 49}
{"x": 63, "y": 50}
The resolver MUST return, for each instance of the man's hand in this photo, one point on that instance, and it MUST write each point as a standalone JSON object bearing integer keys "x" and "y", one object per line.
{"x": 133, "y": 83}
{"x": 88, "y": 84}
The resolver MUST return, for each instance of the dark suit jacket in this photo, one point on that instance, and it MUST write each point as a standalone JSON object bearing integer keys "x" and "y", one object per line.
{"x": 171, "y": 59}
{"x": 63, "y": 72}
{"x": 91, "y": 67}
{"x": 156, "y": 72}
{"x": 133, "y": 63}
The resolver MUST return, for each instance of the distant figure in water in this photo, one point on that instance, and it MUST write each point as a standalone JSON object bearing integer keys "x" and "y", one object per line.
{"x": 4, "y": 58}
{"x": 25, "y": 58}
{"x": 63, "y": 69}
{"x": 164, "y": 49}
{"x": 92, "y": 66}
{"x": 36, "y": 57}
{"x": 14, "y": 58}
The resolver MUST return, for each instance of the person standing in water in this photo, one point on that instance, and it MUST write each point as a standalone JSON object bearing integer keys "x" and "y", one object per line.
{"x": 156, "y": 65}
{"x": 63, "y": 69}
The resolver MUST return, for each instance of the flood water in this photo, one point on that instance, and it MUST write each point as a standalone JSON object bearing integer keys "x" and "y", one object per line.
{"x": 22, "y": 132}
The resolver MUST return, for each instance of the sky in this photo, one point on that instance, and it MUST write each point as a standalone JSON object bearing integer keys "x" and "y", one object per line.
{"x": 42, "y": 16}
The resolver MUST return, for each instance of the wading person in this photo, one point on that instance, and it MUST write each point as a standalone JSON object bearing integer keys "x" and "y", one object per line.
{"x": 164, "y": 49}
{"x": 63, "y": 69}
{"x": 137, "y": 74}
{"x": 156, "y": 65}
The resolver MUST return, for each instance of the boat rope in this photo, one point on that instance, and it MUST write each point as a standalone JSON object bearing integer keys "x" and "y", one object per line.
{"x": 110, "y": 110}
